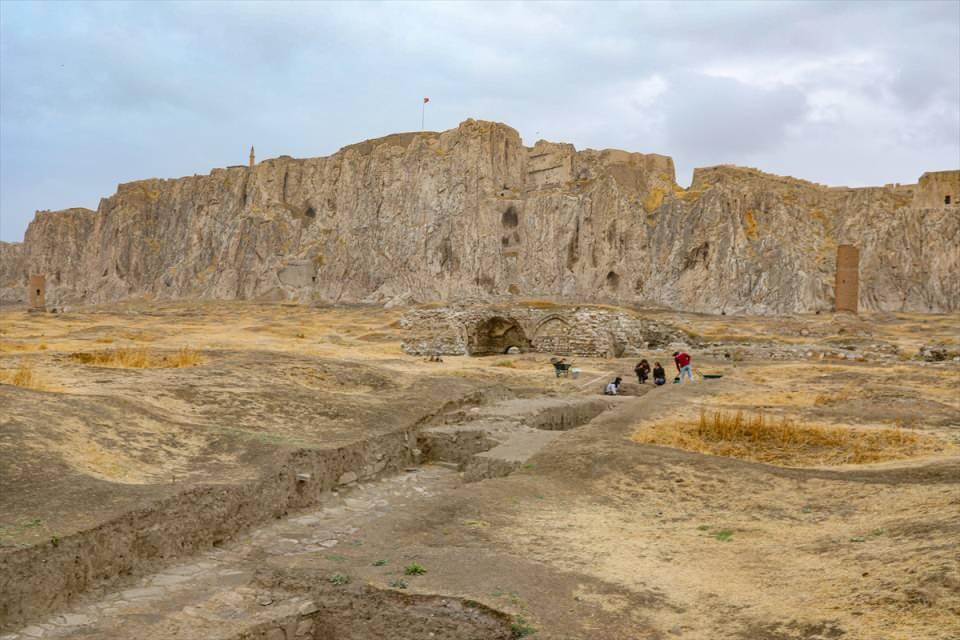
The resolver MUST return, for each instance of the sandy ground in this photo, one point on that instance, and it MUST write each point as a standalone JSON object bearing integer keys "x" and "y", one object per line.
{"x": 596, "y": 537}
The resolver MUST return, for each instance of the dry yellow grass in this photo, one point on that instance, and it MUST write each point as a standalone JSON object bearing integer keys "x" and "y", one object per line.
{"x": 24, "y": 376}
{"x": 22, "y": 346}
{"x": 139, "y": 358}
{"x": 754, "y": 437}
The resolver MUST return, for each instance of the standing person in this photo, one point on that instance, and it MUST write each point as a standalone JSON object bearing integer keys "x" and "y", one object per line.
{"x": 613, "y": 387}
{"x": 682, "y": 360}
{"x": 659, "y": 375}
{"x": 643, "y": 371}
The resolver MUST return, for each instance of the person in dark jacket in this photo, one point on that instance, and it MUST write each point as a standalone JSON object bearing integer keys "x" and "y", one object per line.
{"x": 659, "y": 375}
{"x": 643, "y": 371}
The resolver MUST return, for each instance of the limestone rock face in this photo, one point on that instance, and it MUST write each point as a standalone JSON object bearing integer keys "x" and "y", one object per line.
{"x": 472, "y": 213}
{"x": 11, "y": 273}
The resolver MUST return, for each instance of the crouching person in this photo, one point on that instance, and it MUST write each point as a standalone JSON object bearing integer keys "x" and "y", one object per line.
{"x": 613, "y": 388}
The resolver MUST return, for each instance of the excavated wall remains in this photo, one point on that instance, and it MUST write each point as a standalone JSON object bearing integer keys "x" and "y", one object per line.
{"x": 585, "y": 330}
{"x": 473, "y": 213}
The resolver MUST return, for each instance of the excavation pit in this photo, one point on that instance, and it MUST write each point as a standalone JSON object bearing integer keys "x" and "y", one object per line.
{"x": 376, "y": 614}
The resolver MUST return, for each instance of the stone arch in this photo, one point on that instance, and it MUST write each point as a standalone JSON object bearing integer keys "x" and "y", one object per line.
{"x": 552, "y": 335}
{"x": 495, "y": 335}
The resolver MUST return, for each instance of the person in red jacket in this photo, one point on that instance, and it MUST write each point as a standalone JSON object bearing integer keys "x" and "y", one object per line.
{"x": 682, "y": 360}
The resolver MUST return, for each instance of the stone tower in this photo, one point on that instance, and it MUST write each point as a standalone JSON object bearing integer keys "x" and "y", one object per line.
{"x": 847, "y": 289}
{"x": 252, "y": 162}
{"x": 38, "y": 293}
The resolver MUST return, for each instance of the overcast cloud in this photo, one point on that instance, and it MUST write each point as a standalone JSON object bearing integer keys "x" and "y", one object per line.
{"x": 91, "y": 95}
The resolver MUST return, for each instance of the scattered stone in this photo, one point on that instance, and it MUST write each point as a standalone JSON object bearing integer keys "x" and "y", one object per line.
{"x": 304, "y": 628}
{"x": 191, "y": 569}
{"x": 307, "y": 608}
{"x": 144, "y": 592}
{"x": 347, "y": 478}
{"x": 73, "y": 620}
{"x": 168, "y": 580}
{"x": 264, "y": 601}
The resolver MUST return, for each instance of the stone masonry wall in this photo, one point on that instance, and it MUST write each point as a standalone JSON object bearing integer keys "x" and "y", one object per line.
{"x": 587, "y": 331}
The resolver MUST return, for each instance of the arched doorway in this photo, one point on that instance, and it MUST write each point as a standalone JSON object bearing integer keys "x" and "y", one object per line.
{"x": 496, "y": 335}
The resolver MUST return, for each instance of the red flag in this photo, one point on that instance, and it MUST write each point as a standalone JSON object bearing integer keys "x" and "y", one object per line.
{"x": 426, "y": 100}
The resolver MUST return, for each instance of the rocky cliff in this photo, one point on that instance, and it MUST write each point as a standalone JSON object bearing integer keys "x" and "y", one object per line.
{"x": 472, "y": 213}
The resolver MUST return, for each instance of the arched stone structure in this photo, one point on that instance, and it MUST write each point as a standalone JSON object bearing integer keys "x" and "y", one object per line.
{"x": 496, "y": 334}
{"x": 552, "y": 335}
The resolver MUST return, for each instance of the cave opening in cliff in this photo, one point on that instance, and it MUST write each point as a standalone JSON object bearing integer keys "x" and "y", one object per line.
{"x": 613, "y": 281}
{"x": 946, "y": 199}
{"x": 510, "y": 218}
{"x": 496, "y": 335}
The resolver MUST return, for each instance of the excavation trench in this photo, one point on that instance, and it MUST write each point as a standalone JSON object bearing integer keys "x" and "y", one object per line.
{"x": 496, "y": 440}
{"x": 369, "y": 613}
{"x": 481, "y": 438}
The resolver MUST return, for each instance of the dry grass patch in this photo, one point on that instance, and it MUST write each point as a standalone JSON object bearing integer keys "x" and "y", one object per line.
{"x": 755, "y": 437}
{"x": 24, "y": 376}
{"x": 22, "y": 346}
{"x": 139, "y": 358}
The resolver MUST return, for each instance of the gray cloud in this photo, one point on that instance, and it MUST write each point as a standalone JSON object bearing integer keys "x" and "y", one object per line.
{"x": 92, "y": 94}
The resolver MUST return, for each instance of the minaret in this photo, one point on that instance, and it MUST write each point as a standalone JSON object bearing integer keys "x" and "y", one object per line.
{"x": 252, "y": 162}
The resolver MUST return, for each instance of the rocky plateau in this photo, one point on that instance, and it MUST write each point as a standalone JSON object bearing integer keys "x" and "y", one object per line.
{"x": 472, "y": 213}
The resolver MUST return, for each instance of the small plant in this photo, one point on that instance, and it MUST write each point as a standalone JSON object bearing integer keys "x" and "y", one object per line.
{"x": 379, "y": 563}
{"x": 723, "y": 535}
{"x": 504, "y": 363}
{"x": 521, "y": 628}
{"x": 397, "y": 584}
{"x": 335, "y": 557}
{"x": 339, "y": 579}
{"x": 480, "y": 524}
{"x": 414, "y": 569}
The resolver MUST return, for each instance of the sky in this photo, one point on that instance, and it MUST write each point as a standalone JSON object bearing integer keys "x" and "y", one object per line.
{"x": 842, "y": 93}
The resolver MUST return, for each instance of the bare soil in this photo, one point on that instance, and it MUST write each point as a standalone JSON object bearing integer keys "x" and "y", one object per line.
{"x": 594, "y": 536}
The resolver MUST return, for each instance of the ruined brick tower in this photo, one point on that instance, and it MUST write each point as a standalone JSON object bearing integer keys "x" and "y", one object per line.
{"x": 251, "y": 157}
{"x": 847, "y": 289}
{"x": 38, "y": 293}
